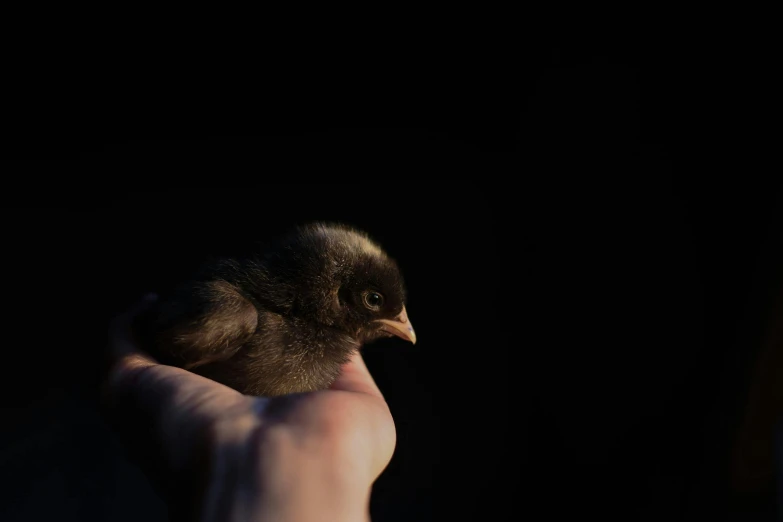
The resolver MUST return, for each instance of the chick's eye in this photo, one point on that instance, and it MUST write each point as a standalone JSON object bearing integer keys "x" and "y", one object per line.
{"x": 373, "y": 300}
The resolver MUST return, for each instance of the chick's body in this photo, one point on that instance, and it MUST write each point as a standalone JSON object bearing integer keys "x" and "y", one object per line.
{"x": 284, "y": 321}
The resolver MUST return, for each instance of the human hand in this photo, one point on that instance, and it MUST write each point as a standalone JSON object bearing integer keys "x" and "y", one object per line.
{"x": 218, "y": 455}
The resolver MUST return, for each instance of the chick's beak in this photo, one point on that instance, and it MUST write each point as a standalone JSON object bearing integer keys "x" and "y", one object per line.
{"x": 399, "y": 326}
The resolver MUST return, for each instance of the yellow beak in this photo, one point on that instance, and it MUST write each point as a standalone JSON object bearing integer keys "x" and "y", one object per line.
{"x": 400, "y": 326}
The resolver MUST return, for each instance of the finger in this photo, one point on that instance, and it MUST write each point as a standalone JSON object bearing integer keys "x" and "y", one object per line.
{"x": 167, "y": 393}
{"x": 169, "y": 404}
{"x": 152, "y": 394}
{"x": 120, "y": 348}
{"x": 158, "y": 390}
{"x": 162, "y": 414}
{"x": 165, "y": 417}
{"x": 355, "y": 377}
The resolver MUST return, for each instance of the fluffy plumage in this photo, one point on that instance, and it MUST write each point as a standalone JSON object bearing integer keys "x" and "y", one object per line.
{"x": 285, "y": 320}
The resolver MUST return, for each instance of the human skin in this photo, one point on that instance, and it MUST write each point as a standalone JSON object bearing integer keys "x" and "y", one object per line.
{"x": 218, "y": 455}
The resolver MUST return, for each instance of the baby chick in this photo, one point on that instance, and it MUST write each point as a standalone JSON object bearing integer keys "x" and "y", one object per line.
{"x": 283, "y": 321}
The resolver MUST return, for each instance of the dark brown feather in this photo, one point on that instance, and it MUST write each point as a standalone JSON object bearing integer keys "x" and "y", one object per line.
{"x": 283, "y": 321}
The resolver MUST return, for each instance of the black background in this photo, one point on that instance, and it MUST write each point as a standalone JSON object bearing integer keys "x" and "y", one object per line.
{"x": 588, "y": 304}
